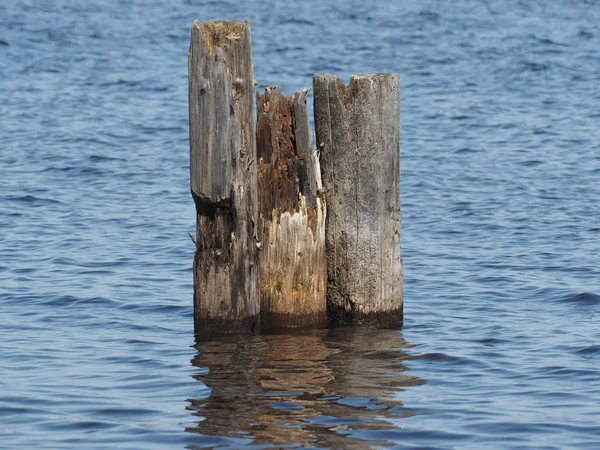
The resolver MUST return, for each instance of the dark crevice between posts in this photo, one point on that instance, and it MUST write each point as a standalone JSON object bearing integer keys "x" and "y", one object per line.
{"x": 292, "y": 215}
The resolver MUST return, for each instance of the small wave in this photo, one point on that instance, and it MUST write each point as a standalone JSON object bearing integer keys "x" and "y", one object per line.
{"x": 572, "y": 373}
{"x": 466, "y": 150}
{"x": 184, "y": 310}
{"x": 78, "y": 170}
{"x": 547, "y": 41}
{"x": 3, "y": 42}
{"x": 493, "y": 341}
{"x": 591, "y": 350}
{"x": 58, "y": 301}
{"x": 286, "y": 49}
{"x": 532, "y": 163}
{"x": 59, "y": 169}
{"x": 585, "y": 298}
{"x": 34, "y": 201}
{"x": 529, "y": 66}
{"x": 122, "y": 82}
{"x": 429, "y": 16}
{"x": 89, "y": 425}
{"x": 86, "y": 263}
{"x": 585, "y": 34}
{"x": 442, "y": 61}
{"x": 98, "y": 158}
{"x": 543, "y": 131}
{"x": 298, "y": 21}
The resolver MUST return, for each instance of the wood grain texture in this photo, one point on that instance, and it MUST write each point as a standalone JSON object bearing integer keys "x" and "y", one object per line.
{"x": 293, "y": 274}
{"x": 223, "y": 177}
{"x": 358, "y": 135}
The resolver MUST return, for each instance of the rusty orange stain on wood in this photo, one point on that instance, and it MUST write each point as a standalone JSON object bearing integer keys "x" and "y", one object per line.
{"x": 313, "y": 220}
{"x": 288, "y": 284}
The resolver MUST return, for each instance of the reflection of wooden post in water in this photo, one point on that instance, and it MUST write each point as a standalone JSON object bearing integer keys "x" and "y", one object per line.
{"x": 358, "y": 134}
{"x": 369, "y": 364}
{"x": 293, "y": 276}
{"x": 310, "y": 389}
{"x": 223, "y": 177}
{"x": 232, "y": 379}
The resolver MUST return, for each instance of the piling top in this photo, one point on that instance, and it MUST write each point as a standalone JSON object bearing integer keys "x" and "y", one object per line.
{"x": 220, "y": 33}
{"x": 360, "y": 87}
{"x": 373, "y": 76}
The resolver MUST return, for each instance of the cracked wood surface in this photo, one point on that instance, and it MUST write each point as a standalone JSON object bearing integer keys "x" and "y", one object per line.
{"x": 223, "y": 177}
{"x": 293, "y": 275}
{"x": 358, "y": 135}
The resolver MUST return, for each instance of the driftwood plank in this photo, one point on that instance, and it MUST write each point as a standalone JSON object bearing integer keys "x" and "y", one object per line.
{"x": 358, "y": 131}
{"x": 293, "y": 274}
{"x": 223, "y": 177}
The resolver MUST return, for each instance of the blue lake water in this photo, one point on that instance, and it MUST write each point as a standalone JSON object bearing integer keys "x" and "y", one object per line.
{"x": 500, "y": 192}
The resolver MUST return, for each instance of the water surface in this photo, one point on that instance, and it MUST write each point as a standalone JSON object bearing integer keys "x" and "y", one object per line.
{"x": 500, "y": 170}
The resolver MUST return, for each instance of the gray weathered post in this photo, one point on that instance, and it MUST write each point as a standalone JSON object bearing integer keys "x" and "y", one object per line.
{"x": 358, "y": 135}
{"x": 293, "y": 275}
{"x": 223, "y": 177}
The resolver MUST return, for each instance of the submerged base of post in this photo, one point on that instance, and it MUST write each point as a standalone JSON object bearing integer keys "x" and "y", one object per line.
{"x": 341, "y": 316}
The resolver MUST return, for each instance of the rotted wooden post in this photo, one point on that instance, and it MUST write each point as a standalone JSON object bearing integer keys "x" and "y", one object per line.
{"x": 293, "y": 275}
{"x": 358, "y": 135}
{"x": 223, "y": 177}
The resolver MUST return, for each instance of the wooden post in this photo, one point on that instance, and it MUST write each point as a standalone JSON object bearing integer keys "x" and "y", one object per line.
{"x": 293, "y": 275}
{"x": 223, "y": 177}
{"x": 358, "y": 134}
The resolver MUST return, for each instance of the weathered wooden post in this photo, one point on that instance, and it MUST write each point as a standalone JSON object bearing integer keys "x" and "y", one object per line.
{"x": 293, "y": 275}
{"x": 358, "y": 135}
{"x": 223, "y": 177}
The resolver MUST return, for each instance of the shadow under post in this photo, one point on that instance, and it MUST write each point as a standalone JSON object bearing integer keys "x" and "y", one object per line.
{"x": 323, "y": 388}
